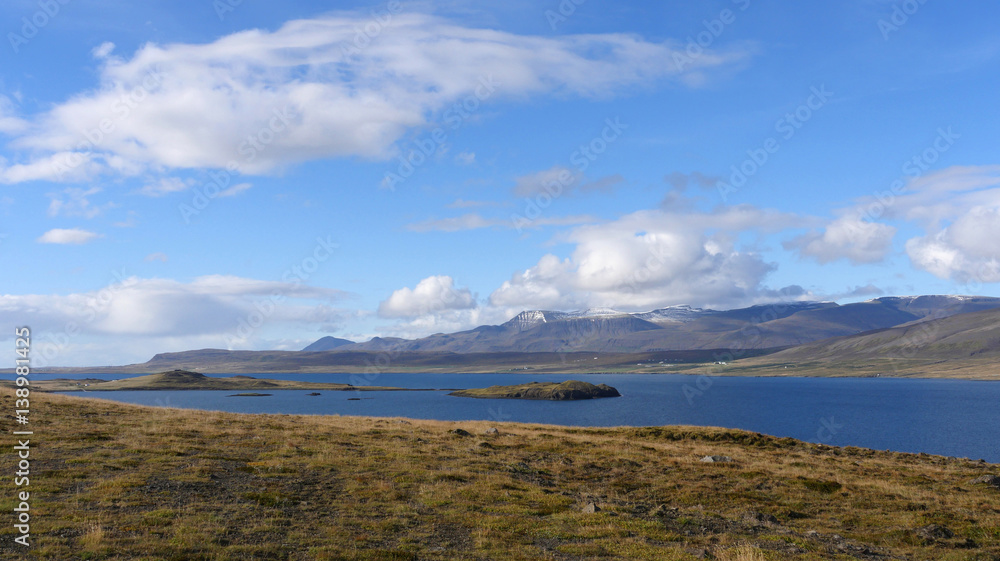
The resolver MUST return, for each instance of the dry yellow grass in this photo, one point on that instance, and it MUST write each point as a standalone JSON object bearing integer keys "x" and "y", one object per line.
{"x": 114, "y": 481}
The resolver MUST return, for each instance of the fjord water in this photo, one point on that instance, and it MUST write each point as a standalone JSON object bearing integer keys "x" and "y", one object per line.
{"x": 948, "y": 417}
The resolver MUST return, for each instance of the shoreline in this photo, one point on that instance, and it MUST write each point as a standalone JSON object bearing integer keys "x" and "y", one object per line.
{"x": 529, "y": 425}
{"x": 692, "y": 373}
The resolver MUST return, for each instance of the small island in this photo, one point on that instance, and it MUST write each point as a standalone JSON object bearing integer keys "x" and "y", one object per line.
{"x": 569, "y": 390}
{"x": 187, "y": 380}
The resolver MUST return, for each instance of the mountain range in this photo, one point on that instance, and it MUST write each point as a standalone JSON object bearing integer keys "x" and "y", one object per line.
{"x": 936, "y": 336}
{"x": 677, "y": 328}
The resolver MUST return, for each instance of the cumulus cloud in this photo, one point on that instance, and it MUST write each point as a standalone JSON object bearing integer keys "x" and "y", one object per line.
{"x": 431, "y": 295}
{"x": 868, "y": 290}
{"x": 848, "y": 237}
{"x": 957, "y": 208}
{"x": 651, "y": 259}
{"x": 303, "y": 92}
{"x": 968, "y": 250}
{"x": 132, "y": 305}
{"x": 447, "y": 321}
{"x": 71, "y": 236}
{"x": 157, "y": 315}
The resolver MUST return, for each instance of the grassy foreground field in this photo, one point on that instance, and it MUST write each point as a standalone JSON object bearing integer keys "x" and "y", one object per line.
{"x": 113, "y": 481}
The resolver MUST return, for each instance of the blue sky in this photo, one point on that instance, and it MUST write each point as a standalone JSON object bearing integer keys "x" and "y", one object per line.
{"x": 270, "y": 173}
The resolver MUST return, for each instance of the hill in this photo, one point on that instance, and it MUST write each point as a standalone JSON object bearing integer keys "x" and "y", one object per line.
{"x": 116, "y": 481}
{"x": 966, "y": 345}
{"x": 327, "y": 344}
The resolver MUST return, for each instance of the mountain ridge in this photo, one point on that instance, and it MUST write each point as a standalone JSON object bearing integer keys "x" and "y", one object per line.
{"x": 963, "y": 345}
{"x": 677, "y": 328}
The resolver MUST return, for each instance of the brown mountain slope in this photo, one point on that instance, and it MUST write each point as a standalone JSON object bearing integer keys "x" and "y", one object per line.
{"x": 966, "y": 345}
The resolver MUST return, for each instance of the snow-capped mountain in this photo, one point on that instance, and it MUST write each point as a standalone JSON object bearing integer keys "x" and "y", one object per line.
{"x": 685, "y": 327}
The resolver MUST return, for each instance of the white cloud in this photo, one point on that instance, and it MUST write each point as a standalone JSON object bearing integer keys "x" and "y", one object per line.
{"x": 446, "y": 321}
{"x": 103, "y": 50}
{"x": 474, "y": 221}
{"x": 129, "y": 222}
{"x": 557, "y": 179}
{"x": 431, "y": 295}
{"x": 62, "y": 167}
{"x": 465, "y": 158}
{"x": 470, "y": 221}
{"x": 968, "y": 250}
{"x": 148, "y": 316}
{"x": 650, "y": 259}
{"x": 10, "y": 123}
{"x": 165, "y": 186}
{"x": 74, "y": 201}
{"x": 158, "y": 256}
{"x": 680, "y": 181}
{"x": 936, "y": 198}
{"x": 303, "y": 95}
{"x": 605, "y": 183}
{"x": 462, "y": 203}
{"x": 848, "y": 237}
{"x": 73, "y": 236}
{"x": 560, "y": 180}
{"x": 958, "y": 209}
{"x": 133, "y": 305}
{"x": 235, "y": 190}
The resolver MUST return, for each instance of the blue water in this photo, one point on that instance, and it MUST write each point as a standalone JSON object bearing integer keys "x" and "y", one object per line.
{"x": 948, "y": 417}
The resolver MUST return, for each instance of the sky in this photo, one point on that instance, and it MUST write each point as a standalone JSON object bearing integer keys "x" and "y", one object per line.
{"x": 256, "y": 175}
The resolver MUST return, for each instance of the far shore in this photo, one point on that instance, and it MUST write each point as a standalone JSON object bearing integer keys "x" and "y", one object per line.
{"x": 749, "y": 369}
{"x": 186, "y": 380}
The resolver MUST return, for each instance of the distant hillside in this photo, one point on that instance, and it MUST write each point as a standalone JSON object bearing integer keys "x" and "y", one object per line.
{"x": 327, "y": 344}
{"x": 369, "y": 364}
{"x": 962, "y": 336}
{"x": 683, "y": 327}
{"x": 966, "y": 345}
